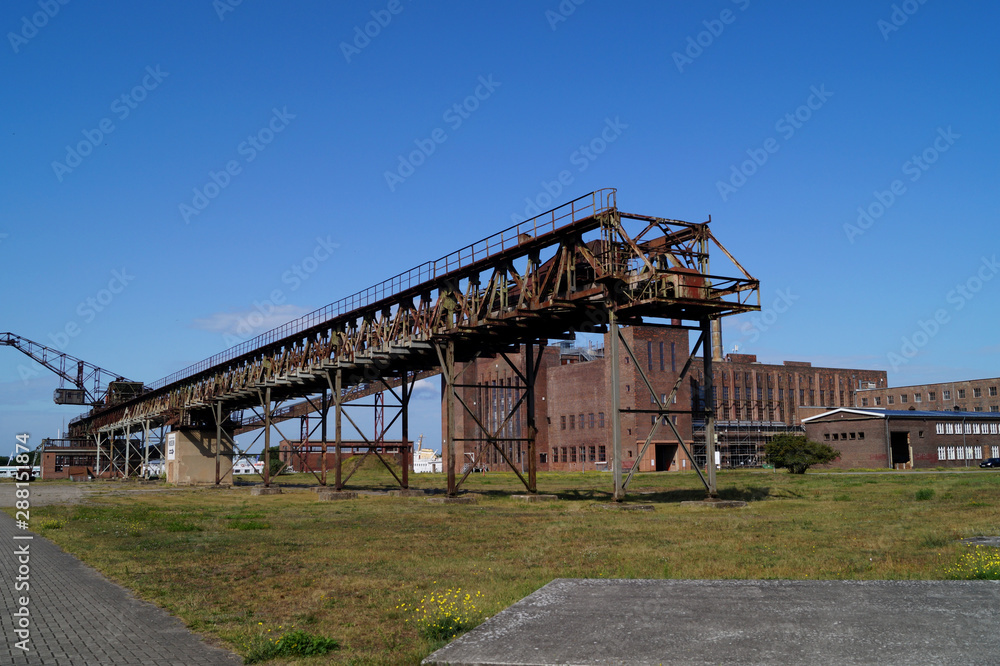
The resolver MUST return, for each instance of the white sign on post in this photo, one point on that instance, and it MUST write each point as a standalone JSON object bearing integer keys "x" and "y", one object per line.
{"x": 171, "y": 445}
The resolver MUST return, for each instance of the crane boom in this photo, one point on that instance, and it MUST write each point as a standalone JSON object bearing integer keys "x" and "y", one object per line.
{"x": 90, "y": 382}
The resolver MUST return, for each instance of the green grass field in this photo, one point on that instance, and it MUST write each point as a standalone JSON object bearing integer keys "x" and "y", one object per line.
{"x": 363, "y": 572}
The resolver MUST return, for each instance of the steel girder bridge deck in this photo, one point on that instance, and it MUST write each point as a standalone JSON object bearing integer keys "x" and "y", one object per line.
{"x": 584, "y": 266}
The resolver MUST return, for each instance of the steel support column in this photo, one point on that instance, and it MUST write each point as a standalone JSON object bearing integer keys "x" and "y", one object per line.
{"x": 338, "y": 406}
{"x": 217, "y": 414}
{"x": 530, "y": 373}
{"x": 267, "y": 437}
{"x": 324, "y": 408}
{"x": 446, "y": 356}
{"x": 406, "y": 389}
{"x": 709, "y": 406}
{"x": 615, "y": 408}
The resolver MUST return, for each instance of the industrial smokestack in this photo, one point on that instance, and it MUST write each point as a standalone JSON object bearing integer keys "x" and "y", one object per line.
{"x": 716, "y": 339}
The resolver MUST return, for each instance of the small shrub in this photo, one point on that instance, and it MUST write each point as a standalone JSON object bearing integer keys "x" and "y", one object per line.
{"x": 295, "y": 643}
{"x": 50, "y": 524}
{"x": 977, "y": 563}
{"x": 924, "y": 494}
{"x": 443, "y": 616}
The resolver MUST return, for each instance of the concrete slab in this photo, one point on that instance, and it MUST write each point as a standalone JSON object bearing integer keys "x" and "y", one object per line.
{"x": 260, "y": 490}
{"x": 333, "y": 495}
{"x": 641, "y": 622}
{"x": 535, "y": 498}
{"x": 465, "y": 499}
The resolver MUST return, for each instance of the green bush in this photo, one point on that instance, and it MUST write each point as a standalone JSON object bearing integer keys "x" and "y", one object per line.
{"x": 293, "y": 644}
{"x": 924, "y": 494}
{"x": 797, "y": 453}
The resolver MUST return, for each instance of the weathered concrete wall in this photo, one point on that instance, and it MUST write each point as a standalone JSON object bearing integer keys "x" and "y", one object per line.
{"x": 190, "y": 457}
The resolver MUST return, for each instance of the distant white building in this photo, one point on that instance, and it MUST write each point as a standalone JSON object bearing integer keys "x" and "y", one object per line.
{"x": 426, "y": 460}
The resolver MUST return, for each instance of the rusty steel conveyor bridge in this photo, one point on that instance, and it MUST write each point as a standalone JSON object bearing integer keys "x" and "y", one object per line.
{"x": 585, "y": 266}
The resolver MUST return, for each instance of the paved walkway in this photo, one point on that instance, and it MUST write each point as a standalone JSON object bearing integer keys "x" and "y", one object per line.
{"x": 79, "y": 618}
{"x": 640, "y": 622}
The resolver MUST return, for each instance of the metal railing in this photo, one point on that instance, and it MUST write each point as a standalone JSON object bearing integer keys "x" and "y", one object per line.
{"x": 581, "y": 208}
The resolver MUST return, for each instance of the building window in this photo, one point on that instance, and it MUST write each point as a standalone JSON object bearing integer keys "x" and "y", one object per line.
{"x": 565, "y": 457}
{"x": 582, "y": 422}
{"x": 760, "y": 394}
{"x": 878, "y": 400}
{"x": 736, "y": 392}
{"x": 890, "y": 399}
{"x": 961, "y": 393}
{"x": 841, "y": 398}
{"x": 975, "y": 429}
{"x": 836, "y": 437}
{"x": 931, "y": 396}
{"x": 600, "y": 419}
{"x": 649, "y": 355}
{"x": 542, "y": 458}
{"x": 993, "y": 429}
{"x": 968, "y": 453}
{"x": 593, "y": 454}
{"x": 853, "y": 435}
{"x": 951, "y": 453}
{"x": 861, "y": 435}
{"x": 920, "y": 434}
{"x": 917, "y": 397}
{"x": 770, "y": 394}
{"x": 941, "y": 453}
{"x": 979, "y": 452}
{"x": 903, "y": 398}
{"x": 995, "y": 408}
{"x": 993, "y": 390}
{"x": 555, "y": 455}
{"x": 996, "y": 451}
{"x": 977, "y": 393}
{"x": 968, "y": 428}
{"x": 590, "y": 419}
{"x": 602, "y": 455}
{"x": 661, "y": 357}
{"x": 826, "y": 436}
{"x": 939, "y": 428}
{"x": 946, "y": 395}
{"x": 562, "y": 422}
{"x": 572, "y": 422}
{"x": 802, "y": 396}
{"x": 673, "y": 358}
{"x": 949, "y": 428}
{"x": 977, "y": 408}
{"x": 572, "y": 454}
{"x": 864, "y": 402}
{"x": 812, "y": 398}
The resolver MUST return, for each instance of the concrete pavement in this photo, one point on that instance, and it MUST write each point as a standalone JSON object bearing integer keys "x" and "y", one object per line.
{"x": 639, "y": 622}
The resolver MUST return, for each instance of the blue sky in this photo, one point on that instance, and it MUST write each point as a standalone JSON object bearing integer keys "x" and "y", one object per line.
{"x": 200, "y": 158}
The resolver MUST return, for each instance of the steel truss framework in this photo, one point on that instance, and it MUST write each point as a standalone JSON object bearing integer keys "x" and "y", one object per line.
{"x": 580, "y": 267}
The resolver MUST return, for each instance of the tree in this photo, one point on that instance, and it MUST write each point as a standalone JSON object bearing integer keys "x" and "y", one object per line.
{"x": 797, "y": 453}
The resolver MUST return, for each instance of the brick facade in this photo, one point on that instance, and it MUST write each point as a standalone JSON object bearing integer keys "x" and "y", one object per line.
{"x": 907, "y": 439}
{"x": 974, "y": 395}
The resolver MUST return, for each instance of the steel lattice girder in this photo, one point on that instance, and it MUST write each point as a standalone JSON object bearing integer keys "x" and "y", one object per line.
{"x": 535, "y": 280}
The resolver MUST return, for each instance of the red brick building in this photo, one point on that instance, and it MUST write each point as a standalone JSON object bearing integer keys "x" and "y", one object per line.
{"x": 974, "y": 395}
{"x": 753, "y": 401}
{"x": 902, "y": 439}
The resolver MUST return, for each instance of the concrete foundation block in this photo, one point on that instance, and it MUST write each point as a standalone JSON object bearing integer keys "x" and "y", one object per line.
{"x": 260, "y": 490}
{"x": 407, "y": 492}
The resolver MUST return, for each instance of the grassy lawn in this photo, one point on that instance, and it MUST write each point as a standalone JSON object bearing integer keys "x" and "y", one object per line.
{"x": 236, "y": 566}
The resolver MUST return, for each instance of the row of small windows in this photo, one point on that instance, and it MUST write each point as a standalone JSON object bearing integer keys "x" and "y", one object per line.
{"x": 570, "y": 454}
{"x": 838, "y": 436}
{"x": 583, "y": 420}
{"x": 964, "y": 452}
{"x": 967, "y": 428}
{"x": 673, "y": 357}
{"x": 932, "y": 396}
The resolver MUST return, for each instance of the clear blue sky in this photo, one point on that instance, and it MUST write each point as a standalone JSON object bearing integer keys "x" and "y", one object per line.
{"x": 309, "y": 127}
